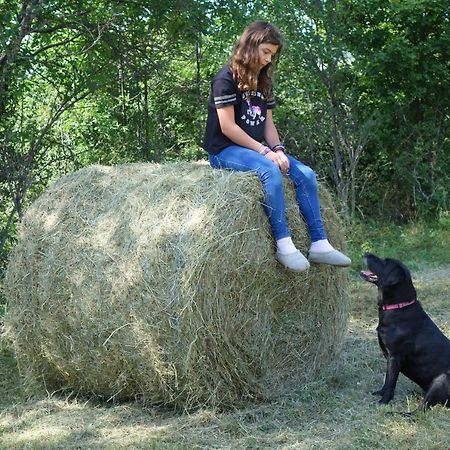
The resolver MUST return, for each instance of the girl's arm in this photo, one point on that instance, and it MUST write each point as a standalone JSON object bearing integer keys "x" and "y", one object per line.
{"x": 233, "y": 131}
{"x": 272, "y": 138}
{"x": 270, "y": 132}
{"x": 236, "y": 134}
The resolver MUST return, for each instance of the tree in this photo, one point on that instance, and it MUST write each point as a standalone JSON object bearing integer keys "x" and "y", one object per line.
{"x": 36, "y": 90}
{"x": 105, "y": 83}
{"x": 321, "y": 96}
{"x": 401, "y": 52}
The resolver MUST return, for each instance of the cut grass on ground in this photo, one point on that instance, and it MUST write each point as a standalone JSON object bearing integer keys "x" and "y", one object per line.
{"x": 336, "y": 411}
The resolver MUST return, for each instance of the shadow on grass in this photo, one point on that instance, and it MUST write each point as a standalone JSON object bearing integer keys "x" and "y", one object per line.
{"x": 11, "y": 390}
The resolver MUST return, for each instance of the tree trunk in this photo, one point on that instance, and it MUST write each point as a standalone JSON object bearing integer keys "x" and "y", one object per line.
{"x": 28, "y": 12}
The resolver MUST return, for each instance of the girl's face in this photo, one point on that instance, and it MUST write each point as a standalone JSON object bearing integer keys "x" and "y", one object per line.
{"x": 266, "y": 52}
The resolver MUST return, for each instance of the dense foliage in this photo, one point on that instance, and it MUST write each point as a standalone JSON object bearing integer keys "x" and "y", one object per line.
{"x": 362, "y": 92}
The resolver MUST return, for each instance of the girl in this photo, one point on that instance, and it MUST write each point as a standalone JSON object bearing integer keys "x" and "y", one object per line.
{"x": 240, "y": 119}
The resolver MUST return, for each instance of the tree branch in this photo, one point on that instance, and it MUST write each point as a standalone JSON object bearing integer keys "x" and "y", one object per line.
{"x": 28, "y": 13}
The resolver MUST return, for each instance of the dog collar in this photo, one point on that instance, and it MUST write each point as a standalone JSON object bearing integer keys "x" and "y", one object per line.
{"x": 397, "y": 305}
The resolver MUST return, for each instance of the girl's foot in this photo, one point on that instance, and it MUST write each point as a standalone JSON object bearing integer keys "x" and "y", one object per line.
{"x": 322, "y": 252}
{"x": 289, "y": 256}
{"x": 293, "y": 261}
{"x": 333, "y": 257}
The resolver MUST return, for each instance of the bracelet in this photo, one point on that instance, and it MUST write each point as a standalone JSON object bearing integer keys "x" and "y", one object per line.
{"x": 263, "y": 150}
{"x": 277, "y": 147}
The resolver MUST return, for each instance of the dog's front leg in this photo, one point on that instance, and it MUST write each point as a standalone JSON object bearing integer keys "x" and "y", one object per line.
{"x": 383, "y": 389}
{"x": 385, "y": 354}
{"x": 392, "y": 372}
{"x": 386, "y": 378}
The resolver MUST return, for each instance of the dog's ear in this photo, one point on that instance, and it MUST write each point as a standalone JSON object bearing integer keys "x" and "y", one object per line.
{"x": 395, "y": 272}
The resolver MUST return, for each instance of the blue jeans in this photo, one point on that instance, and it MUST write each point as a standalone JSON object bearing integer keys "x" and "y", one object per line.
{"x": 243, "y": 159}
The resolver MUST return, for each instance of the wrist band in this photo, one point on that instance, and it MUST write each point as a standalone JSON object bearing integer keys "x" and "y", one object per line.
{"x": 263, "y": 150}
{"x": 277, "y": 147}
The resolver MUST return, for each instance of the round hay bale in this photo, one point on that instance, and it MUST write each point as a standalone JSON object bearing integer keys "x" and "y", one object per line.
{"x": 159, "y": 282}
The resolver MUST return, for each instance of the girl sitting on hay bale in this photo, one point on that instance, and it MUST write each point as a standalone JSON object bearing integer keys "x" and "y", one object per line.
{"x": 239, "y": 119}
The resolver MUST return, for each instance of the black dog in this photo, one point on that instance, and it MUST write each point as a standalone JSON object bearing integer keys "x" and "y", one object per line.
{"x": 409, "y": 339}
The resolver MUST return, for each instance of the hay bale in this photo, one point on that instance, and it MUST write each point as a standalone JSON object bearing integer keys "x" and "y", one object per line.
{"x": 160, "y": 283}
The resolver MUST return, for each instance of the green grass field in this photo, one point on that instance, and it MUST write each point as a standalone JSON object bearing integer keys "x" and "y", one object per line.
{"x": 337, "y": 411}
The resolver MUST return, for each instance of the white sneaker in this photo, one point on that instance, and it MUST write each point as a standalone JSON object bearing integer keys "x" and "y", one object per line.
{"x": 333, "y": 258}
{"x": 293, "y": 261}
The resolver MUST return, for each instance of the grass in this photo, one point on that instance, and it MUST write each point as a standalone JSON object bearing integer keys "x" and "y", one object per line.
{"x": 336, "y": 411}
{"x": 418, "y": 245}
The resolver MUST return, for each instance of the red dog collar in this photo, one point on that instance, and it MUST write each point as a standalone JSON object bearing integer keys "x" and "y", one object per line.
{"x": 397, "y": 305}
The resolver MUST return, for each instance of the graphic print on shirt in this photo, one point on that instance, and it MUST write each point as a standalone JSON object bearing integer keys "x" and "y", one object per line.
{"x": 253, "y": 116}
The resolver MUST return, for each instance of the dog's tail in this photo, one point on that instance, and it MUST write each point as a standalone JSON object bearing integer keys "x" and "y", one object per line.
{"x": 407, "y": 414}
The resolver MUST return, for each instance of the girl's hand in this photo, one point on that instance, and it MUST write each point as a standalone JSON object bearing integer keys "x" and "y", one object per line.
{"x": 280, "y": 159}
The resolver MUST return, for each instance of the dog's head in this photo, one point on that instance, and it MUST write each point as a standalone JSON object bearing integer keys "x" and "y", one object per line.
{"x": 392, "y": 278}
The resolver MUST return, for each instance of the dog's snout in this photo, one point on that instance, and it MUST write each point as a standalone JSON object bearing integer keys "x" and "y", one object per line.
{"x": 366, "y": 257}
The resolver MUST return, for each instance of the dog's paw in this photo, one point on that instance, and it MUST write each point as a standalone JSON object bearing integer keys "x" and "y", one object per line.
{"x": 385, "y": 399}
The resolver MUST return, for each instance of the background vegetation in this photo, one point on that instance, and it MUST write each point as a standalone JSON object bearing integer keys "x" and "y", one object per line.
{"x": 362, "y": 92}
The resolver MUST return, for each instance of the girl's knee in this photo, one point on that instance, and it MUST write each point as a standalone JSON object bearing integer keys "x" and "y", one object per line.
{"x": 304, "y": 173}
{"x": 271, "y": 177}
{"x": 273, "y": 173}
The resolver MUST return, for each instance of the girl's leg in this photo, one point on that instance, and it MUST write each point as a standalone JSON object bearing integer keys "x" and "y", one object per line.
{"x": 305, "y": 183}
{"x": 243, "y": 159}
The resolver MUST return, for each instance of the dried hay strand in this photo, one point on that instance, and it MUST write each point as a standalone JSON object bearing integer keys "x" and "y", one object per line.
{"x": 159, "y": 283}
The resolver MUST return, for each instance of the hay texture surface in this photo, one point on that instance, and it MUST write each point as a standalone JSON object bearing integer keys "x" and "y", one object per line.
{"x": 160, "y": 283}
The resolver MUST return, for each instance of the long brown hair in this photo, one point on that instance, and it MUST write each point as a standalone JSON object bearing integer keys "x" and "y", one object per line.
{"x": 245, "y": 57}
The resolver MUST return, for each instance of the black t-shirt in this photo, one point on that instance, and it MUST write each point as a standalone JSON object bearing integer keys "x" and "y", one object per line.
{"x": 250, "y": 111}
